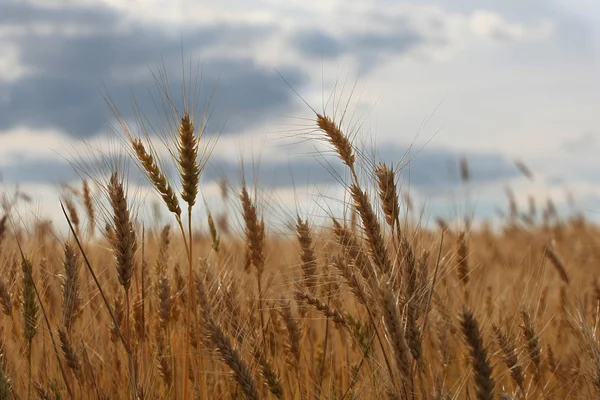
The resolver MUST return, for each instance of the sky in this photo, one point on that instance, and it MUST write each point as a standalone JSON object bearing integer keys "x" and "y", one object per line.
{"x": 423, "y": 84}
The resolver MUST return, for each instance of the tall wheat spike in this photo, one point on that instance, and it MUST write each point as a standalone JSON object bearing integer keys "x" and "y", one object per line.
{"x": 479, "y": 358}
{"x": 71, "y": 307}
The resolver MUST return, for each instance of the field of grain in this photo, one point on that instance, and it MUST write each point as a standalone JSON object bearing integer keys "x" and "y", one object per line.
{"x": 365, "y": 305}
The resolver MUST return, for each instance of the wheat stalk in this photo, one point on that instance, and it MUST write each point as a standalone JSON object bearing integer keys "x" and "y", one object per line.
{"x": 388, "y": 195}
{"x": 557, "y": 262}
{"x": 481, "y": 364}
{"x": 156, "y": 176}
{"x": 307, "y": 254}
{"x": 510, "y": 358}
{"x": 532, "y": 345}
{"x": 89, "y": 206}
{"x": 71, "y": 307}
{"x": 340, "y": 142}
{"x": 377, "y": 249}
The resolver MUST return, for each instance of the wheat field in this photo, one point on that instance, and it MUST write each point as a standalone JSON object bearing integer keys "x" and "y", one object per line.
{"x": 365, "y": 305}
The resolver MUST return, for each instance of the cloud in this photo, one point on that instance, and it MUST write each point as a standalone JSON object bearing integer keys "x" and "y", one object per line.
{"x": 430, "y": 169}
{"x": 583, "y": 143}
{"x": 500, "y": 64}
{"x": 43, "y": 172}
{"x": 68, "y": 73}
{"x": 368, "y": 48}
{"x": 61, "y": 58}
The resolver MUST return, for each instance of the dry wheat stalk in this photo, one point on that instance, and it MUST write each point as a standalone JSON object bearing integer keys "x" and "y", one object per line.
{"x": 125, "y": 241}
{"x": 552, "y": 364}
{"x": 5, "y": 384}
{"x": 372, "y": 229}
{"x": 156, "y": 176}
{"x": 71, "y": 307}
{"x": 165, "y": 301}
{"x": 89, "y": 207}
{"x": 464, "y": 169}
{"x": 255, "y": 243}
{"x": 589, "y": 344}
{"x": 216, "y": 241}
{"x": 512, "y": 204}
{"x": 30, "y": 312}
{"x": 189, "y": 169}
{"x": 413, "y": 286}
{"x": 388, "y": 194}
{"x": 524, "y": 169}
{"x": 255, "y": 232}
{"x": 119, "y": 313}
{"x": 232, "y": 358}
{"x": 396, "y": 334}
{"x": 355, "y": 283}
{"x": 532, "y": 345}
{"x": 510, "y": 358}
{"x": 307, "y": 255}
{"x": 339, "y": 141}
{"x": 162, "y": 260}
{"x": 481, "y": 364}
{"x": 463, "y": 259}
{"x": 5, "y": 299}
{"x": 335, "y": 315}
{"x": 29, "y": 304}
{"x": 294, "y": 333}
{"x": 270, "y": 374}
{"x": 353, "y": 251}
{"x": 215, "y": 337}
{"x": 139, "y": 319}
{"x": 162, "y": 359}
{"x": 73, "y": 215}
{"x": 3, "y": 227}
{"x": 557, "y": 262}
{"x": 70, "y": 356}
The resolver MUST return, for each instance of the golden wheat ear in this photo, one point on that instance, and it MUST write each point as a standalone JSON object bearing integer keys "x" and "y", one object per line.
{"x": 71, "y": 307}
{"x": 372, "y": 228}
{"x": 125, "y": 241}
{"x": 479, "y": 359}
{"x": 340, "y": 142}
{"x": 307, "y": 255}
{"x": 392, "y": 320}
{"x": 156, "y": 176}
{"x": 510, "y": 357}
{"x": 388, "y": 194}
{"x": 189, "y": 169}
{"x": 532, "y": 345}
{"x": 89, "y": 207}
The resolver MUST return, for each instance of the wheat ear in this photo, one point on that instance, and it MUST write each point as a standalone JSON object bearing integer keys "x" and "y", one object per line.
{"x": 372, "y": 229}
{"x": 89, "y": 207}
{"x": 510, "y": 358}
{"x": 388, "y": 195}
{"x": 156, "y": 177}
{"x": 479, "y": 358}
{"x": 71, "y": 307}
{"x": 307, "y": 254}
{"x": 340, "y": 142}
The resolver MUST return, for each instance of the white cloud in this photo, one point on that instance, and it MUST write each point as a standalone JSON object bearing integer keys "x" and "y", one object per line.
{"x": 494, "y": 25}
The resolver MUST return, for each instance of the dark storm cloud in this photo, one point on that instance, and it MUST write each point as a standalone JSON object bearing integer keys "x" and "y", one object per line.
{"x": 438, "y": 167}
{"x": 50, "y": 172}
{"x": 317, "y": 43}
{"x": 367, "y": 47}
{"x": 72, "y": 71}
{"x": 429, "y": 168}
